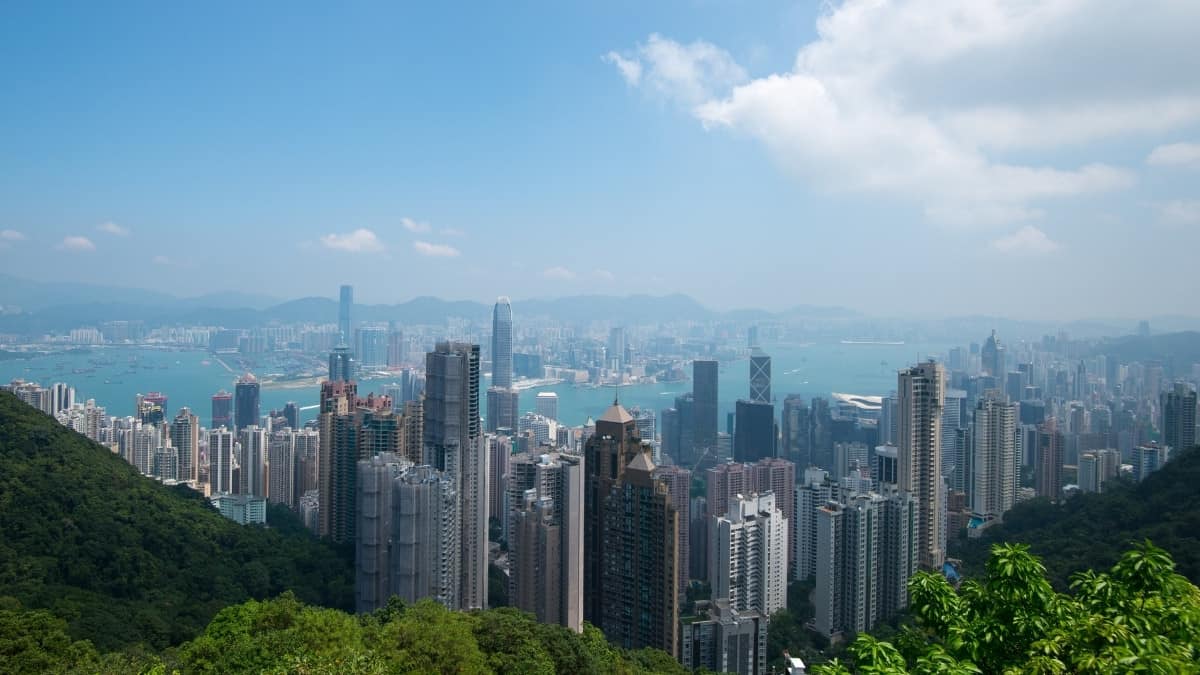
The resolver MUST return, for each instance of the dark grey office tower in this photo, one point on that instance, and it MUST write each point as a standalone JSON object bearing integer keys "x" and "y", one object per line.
{"x": 453, "y": 442}
{"x": 704, "y": 410}
{"x": 345, "y": 303}
{"x": 222, "y": 410}
{"x": 503, "y": 408}
{"x": 760, "y": 377}
{"x": 754, "y": 432}
{"x": 341, "y": 364}
{"x": 992, "y": 357}
{"x": 669, "y": 430}
{"x": 451, "y": 411}
{"x": 820, "y": 433}
{"x": 1179, "y": 417}
{"x": 794, "y": 432}
{"x": 245, "y": 402}
{"x": 502, "y": 341}
{"x": 685, "y": 440}
{"x": 291, "y": 412}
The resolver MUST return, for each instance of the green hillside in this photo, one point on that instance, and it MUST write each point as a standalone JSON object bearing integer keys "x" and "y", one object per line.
{"x": 124, "y": 560}
{"x": 1090, "y": 531}
{"x": 284, "y": 635}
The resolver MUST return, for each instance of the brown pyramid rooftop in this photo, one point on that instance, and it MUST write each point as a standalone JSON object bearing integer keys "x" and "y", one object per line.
{"x": 616, "y": 414}
{"x": 642, "y": 462}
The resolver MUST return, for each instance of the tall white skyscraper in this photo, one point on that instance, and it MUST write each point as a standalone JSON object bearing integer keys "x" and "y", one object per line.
{"x": 372, "y": 555}
{"x": 425, "y": 552}
{"x": 185, "y": 436}
{"x": 345, "y": 305}
{"x": 502, "y": 343}
{"x": 281, "y": 467}
{"x": 503, "y": 402}
{"x": 812, "y": 492}
{"x": 848, "y": 565}
{"x": 954, "y": 417}
{"x": 220, "y": 460}
{"x": 994, "y": 457}
{"x": 546, "y": 405}
{"x": 921, "y": 390}
{"x": 1097, "y": 467}
{"x": 253, "y": 461}
{"x": 545, "y": 543}
{"x": 747, "y": 555}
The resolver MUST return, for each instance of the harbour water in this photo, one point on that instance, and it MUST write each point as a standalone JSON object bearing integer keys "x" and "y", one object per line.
{"x": 115, "y": 375}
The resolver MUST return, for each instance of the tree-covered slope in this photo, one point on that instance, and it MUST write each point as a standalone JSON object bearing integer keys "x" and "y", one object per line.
{"x": 124, "y": 560}
{"x": 284, "y": 635}
{"x": 1139, "y": 617}
{"x": 1090, "y": 531}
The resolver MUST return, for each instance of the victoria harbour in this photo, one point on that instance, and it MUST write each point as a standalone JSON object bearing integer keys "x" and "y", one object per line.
{"x": 189, "y": 377}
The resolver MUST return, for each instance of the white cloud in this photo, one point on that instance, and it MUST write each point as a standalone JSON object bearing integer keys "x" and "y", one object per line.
{"x": 688, "y": 73}
{"x": 558, "y": 273}
{"x": 604, "y": 275}
{"x": 11, "y": 235}
{"x": 1180, "y": 212}
{"x": 453, "y": 232}
{"x": 414, "y": 226}
{"x": 160, "y": 260}
{"x": 1175, "y": 154}
{"x": 113, "y": 229}
{"x": 1026, "y": 241}
{"x": 75, "y": 243}
{"x": 631, "y": 69}
{"x": 361, "y": 240}
{"x": 913, "y": 99}
{"x": 435, "y": 250}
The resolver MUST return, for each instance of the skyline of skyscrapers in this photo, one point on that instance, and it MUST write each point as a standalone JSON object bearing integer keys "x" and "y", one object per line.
{"x": 861, "y": 515}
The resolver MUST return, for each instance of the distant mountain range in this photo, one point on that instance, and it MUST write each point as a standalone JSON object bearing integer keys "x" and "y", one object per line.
{"x": 38, "y": 306}
{"x": 30, "y": 307}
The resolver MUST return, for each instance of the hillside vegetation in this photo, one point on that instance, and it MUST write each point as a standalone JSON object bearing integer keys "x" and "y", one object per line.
{"x": 1139, "y": 617}
{"x": 1089, "y": 531}
{"x": 124, "y": 560}
{"x": 284, "y": 635}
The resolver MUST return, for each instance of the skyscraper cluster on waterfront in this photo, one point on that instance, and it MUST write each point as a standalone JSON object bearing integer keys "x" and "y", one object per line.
{"x": 440, "y": 481}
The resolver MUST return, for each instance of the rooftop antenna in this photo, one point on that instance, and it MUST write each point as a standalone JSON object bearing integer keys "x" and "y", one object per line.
{"x": 616, "y": 392}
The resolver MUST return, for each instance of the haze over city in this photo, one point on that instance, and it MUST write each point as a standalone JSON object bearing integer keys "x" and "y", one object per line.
{"x": 747, "y": 154}
{"x": 621, "y": 338}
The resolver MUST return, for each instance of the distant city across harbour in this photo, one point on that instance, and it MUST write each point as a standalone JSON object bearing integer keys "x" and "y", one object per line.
{"x": 189, "y": 377}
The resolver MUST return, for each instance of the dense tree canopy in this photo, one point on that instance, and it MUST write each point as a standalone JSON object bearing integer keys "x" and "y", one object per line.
{"x": 124, "y": 560}
{"x": 1139, "y": 617}
{"x": 285, "y": 635}
{"x": 1089, "y": 531}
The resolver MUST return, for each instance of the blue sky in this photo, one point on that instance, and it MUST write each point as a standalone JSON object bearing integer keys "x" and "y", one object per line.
{"x": 933, "y": 158}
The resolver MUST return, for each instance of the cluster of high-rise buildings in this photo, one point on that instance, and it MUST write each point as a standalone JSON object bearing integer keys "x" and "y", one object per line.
{"x": 433, "y": 481}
